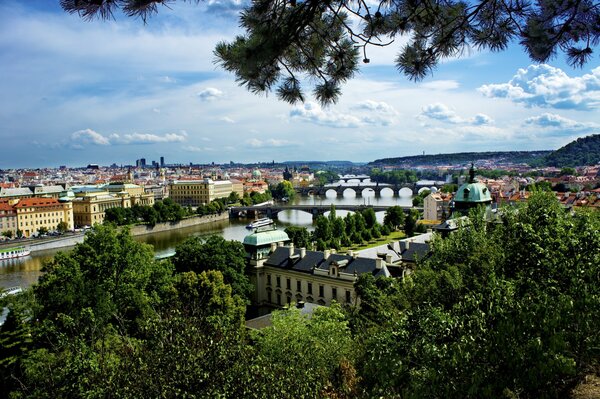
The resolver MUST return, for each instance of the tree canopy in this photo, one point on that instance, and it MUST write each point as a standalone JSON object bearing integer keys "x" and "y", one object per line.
{"x": 289, "y": 42}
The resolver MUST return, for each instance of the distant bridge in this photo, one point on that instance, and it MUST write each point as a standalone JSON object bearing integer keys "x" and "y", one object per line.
{"x": 360, "y": 189}
{"x": 272, "y": 211}
{"x": 360, "y": 178}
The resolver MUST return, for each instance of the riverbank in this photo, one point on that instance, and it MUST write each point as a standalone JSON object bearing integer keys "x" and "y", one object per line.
{"x": 71, "y": 239}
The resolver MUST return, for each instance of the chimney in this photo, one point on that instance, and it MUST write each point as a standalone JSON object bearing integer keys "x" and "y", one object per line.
{"x": 291, "y": 247}
{"x": 379, "y": 263}
{"x": 302, "y": 252}
{"x": 350, "y": 253}
{"x": 326, "y": 254}
{"x": 333, "y": 251}
{"x": 388, "y": 259}
{"x": 406, "y": 245}
{"x": 273, "y": 246}
{"x": 300, "y": 304}
{"x": 280, "y": 244}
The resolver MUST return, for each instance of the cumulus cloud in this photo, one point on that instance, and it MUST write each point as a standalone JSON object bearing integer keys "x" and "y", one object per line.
{"x": 227, "y": 119}
{"x": 547, "y": 86}
{"x": 210, "y": 94}
{"x": 381, "y": 106}
{"x": 257, "y": 143}
{"x": 313, "y": 113}
{"x": 554, "y": 121}
{"x": 442, "y": 113}
{"x": 440, "y": 85}
{"x": 89, "y": 136}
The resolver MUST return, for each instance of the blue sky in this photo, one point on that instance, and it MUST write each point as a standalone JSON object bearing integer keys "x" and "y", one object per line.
{"x": 75, "y": 92}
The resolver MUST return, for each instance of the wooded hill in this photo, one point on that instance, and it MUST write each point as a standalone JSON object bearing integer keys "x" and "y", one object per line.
{"x": 463, "y": 157}
{"x": 583, "y": 151}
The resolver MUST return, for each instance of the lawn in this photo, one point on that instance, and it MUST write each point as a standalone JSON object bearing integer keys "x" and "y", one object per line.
{"x": 395, "y": 236}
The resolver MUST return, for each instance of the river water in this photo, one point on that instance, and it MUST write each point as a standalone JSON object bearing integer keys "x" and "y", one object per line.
{"x": 25, "y": 271}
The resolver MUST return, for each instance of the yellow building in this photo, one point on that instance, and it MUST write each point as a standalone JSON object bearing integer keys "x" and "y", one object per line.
{"x": 284, "y": 274}
{"x": 35, "y": 213}
{"x": 89, "y": 209}
{"x": 137, "y": 194}
{"x": 200, "y": 192}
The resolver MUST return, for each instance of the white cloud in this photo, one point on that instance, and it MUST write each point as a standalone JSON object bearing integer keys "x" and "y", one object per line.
{"x": 557, "y": 122}
{"x": 313, "y": 113}
{"x": 227, "y": 119}
{"x": 547, "y": 86}
{"x": 88, "y": 136}
{"x": 442, "y": 113}
{"x": 380, "y": 106}
{"x": 210, "y": 94}
{"x": 440, "y": 85}
{"x": 257, "y": 143}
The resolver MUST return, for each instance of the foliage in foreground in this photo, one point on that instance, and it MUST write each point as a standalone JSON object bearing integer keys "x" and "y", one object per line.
{"x": 508, "y": 309}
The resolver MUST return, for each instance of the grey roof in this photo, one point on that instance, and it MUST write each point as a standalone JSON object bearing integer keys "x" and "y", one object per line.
{"x": 281, "y": 259}
{"x": 9, "y": 192}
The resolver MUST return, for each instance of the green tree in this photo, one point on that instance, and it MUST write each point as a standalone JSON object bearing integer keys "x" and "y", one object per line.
{"x": 410, "y": 222}
{"x": 288, "y": 43}
{"x": 304, "y": 357}
{"x": 300, "y": 236}
{"x": 43, "y": 230}
{"x": 62, "y": 227}
{"x": 370, "y": 217}
{"x": 284, "y": 189}
{"x": 322, "y": 229}
{"x": 7, "y": 233}
{"x": 215, "y": 253}
{"x": 19, "y": 233}
{"x": 233, "y": 198}
{"x": 394, "y": 217}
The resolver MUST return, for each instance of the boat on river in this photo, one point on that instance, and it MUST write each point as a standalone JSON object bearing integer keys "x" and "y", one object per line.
{"x": 259, "y": 223}
{"x": 14, "y": 252}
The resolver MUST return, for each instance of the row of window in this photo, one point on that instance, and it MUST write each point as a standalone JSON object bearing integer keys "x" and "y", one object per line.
{"x": 309, "y": 287}
{"x": 45, "y": 214}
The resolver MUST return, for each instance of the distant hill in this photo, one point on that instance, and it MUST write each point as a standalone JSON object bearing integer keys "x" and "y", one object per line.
{"x": 464, "y": 157}
{"x": 583, "y": 151}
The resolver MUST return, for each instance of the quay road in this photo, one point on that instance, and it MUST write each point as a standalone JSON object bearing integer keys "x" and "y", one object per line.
{"x": 271, "y": 211}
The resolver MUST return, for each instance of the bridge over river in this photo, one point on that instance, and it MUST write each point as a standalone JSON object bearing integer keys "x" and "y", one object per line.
{"x": 377, "y": 188}
{"x": 272, "y": 211}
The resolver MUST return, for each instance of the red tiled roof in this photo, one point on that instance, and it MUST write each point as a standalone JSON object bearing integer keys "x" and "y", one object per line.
{"x": 5, "y": 206}
{"x": 37, "y": 202}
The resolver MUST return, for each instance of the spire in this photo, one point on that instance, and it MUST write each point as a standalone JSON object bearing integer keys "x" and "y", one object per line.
{"x": 472, "y": 173}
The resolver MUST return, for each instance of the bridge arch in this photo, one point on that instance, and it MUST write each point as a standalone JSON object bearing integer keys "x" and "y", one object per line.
{"x": 430, "y": 189}
{"x": 331, "y": 192}
{"x": 405, "y": 192}
{"x": 368, "y": 192}
{"x": 387, "y": 192}
{"x": 347, "y": 191}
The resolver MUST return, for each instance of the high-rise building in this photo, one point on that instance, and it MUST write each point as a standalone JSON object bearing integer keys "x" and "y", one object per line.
{"x": 162, "y": 162}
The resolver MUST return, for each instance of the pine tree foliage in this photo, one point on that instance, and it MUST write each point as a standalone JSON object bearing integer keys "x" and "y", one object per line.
{"x": 290, "y": 42}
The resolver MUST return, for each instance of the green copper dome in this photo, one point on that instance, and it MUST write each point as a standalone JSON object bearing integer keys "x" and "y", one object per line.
{"x": 472, "y": 191}
{"x": 266, "y": 238}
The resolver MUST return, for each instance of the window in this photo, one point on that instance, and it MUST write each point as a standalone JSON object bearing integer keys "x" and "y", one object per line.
{"x": 334, "y": 293}
{"x": 269, "y": 299}
{"x": 269, "y": 280}
{"x": 321, "y": 291}
{"x": 310, "y": 288}
{"x": 288, "y": 283}
{"x": 298, "y": 285}
{"x": 348, "y": 299}
{"x": 279, "y": 299}
{"x": 278, "y": 279}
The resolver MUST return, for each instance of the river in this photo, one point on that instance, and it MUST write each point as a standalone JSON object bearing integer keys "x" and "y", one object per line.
{"x": 25, "y": 271}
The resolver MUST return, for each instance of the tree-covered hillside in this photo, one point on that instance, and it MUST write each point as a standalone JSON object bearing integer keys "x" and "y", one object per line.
{"x": 463, "y": 157}
{"x": 583, "y": 151}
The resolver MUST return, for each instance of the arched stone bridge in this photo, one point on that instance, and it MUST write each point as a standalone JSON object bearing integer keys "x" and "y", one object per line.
{"x": 360, "y": 178}
{"x": 272, "y": 211}
{"x": 359, "y": 189}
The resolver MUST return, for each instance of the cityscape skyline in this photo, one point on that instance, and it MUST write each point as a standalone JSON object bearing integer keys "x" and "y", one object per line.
{"x": 78, "y": 92}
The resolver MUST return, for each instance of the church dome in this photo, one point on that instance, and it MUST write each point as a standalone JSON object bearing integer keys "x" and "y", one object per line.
{"x": 256, "y": 174}
{"x": 472, "y": 192}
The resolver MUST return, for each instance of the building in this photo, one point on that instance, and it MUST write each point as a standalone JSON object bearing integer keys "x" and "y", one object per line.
{"x": 436, "y": 206}
{"x": 200, "y": 192}
{"x": 35, "y": 213}
{"x": 471, "y": 194}
{"x": 284, "y": 274}
{"x": 91, "y": 203}
{"x": 8, "y": 218}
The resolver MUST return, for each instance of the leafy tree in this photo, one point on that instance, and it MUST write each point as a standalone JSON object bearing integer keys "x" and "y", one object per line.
{"x": 62, "y": 227}
{"x": 304, "y": 357}
{"x": 215, "y": 253}
{"x": 233, "y": 198}
{"x": 369, "y": 216}
{"x": 287, "y": 43}
{"x": 394, "y": 217}
{"x": 7, "y": 233}
{"x": 326, "y": 176}
{"x": 300, "y": 236}
{"x": 322, "y": 229}
{"x": 284, "y": 189}
{"x": 410, "y": 222}
{"x": 567, "y": 171}
{"x": 43, "y": 230}
{"x": 19, "y": 233}
{"x": 449, "y": 188}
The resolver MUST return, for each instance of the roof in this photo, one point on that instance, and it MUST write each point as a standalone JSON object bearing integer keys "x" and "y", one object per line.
{"x": 260, "y": 238}
{"x": 37, "y": 202}
{"x": 473, "y": 192}
{"x": 316, "y": 259}
{"x": 9, "y": 192}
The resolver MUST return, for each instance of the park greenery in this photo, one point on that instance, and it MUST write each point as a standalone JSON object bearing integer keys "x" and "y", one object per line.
{"x": 355, "y": 229}
{"x": 283, "y": 190}
{"x": 502, "y": 308}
